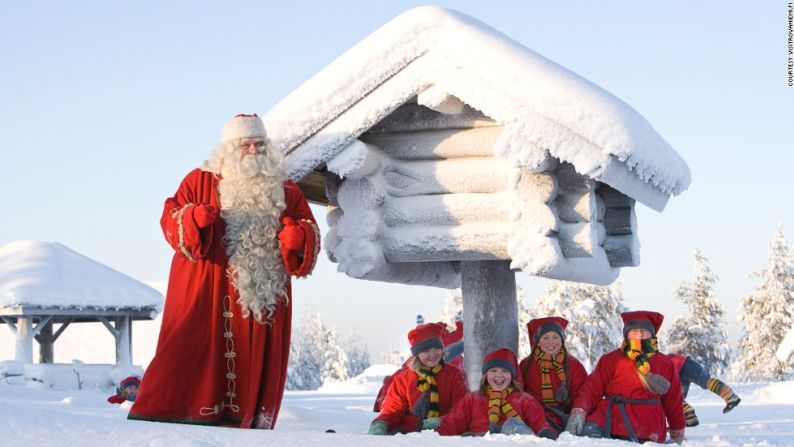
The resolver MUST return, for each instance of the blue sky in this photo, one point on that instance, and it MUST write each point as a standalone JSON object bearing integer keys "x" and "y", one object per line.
{"x": 105, "y": 106}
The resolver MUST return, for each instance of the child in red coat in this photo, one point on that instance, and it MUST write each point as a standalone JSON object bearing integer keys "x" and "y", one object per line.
{"x": 127, "y": 390}
{"x": 500, "y": 406}
{"x": 418, "y": 395}
{"x": 634, "y": 392}
{"x": 551, "y": 375}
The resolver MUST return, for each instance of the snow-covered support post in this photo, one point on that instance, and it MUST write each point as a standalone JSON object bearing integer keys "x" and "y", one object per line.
{"x": 123, "y": 341}
{"x": 490, "y": 313}
{"x": 45, "y": 339}
{"x": 24, "y": 347}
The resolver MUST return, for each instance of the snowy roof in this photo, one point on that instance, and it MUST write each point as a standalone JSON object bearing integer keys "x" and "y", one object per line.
{"x": 434, "y": 53}
{"x": 51, "y": 275}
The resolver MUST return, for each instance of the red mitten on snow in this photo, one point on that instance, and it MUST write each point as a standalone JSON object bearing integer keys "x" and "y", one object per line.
{"x": 291, "y": 236}
{"x": 116, "y": 399}
{"x": 204, "y": 215}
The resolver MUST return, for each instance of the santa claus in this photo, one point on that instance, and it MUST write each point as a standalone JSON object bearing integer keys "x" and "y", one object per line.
{"x": 239, "y": 230}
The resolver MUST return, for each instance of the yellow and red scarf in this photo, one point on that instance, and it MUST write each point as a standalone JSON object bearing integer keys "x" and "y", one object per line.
{"x": 547, "y": 363}
{"x": 427, "y": 383}
{"x": 640, "y": 351}
{"x": 498, "y": 405}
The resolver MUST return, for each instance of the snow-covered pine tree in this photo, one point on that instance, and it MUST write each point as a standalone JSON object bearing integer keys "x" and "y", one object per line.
{"x": 766, "y": 316}
{"x": 334, "y": 357}
{"x": 524, "y": 315}
{"x": 452, "y": 305}
{"x": 703, "y": 334}
{"x": 315, "y": 355}
{"x": 294, "y": 377}
{"x": 593, "y": 313}
{"x": 393, "y": 357}
{"x": 357, "y": 355}
{"x": 305, "y": 367}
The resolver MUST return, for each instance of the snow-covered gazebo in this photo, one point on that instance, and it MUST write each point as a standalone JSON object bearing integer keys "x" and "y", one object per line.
{"x": 450, "y": 155}
{"x": 46, "y": 283}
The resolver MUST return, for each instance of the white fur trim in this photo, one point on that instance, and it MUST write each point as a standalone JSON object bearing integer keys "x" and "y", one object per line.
{"x": 243, "y": 127}
{"x": 177, "y": 214}
{"x": 316, "y": 245}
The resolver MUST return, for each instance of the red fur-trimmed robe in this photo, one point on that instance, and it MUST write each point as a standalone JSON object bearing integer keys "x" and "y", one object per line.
{"x": 212, "y": 366}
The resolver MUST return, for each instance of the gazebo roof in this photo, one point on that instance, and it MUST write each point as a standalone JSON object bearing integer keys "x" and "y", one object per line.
{"x": 431, "y": 53}
{"x": 52, "y": 278}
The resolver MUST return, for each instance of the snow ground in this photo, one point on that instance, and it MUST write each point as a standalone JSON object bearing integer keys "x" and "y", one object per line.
{"x": 31, "y": 416}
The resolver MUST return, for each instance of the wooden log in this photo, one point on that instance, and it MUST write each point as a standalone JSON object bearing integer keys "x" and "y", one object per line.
{"x": 332, "y": 183}
{"x": 578, "y": 240}
{"x": 576, "y": 207}
{"x": 123, "y": 341}
{"x": 446, "y": 209}
{"x": 622, "y": 251}
{"x": 437, "y": 144}
{"x": 24, "y": 340}
{"x": 489, "y": 311}
{"x": 468, "y": 242}
{"x": 358, "y": 194}
{"x": 571, "y": 181}
{"x": 538, "y": 187}
{"x": 45, "y": 339}
{"x": 472, "y": 175}
{"x": 613, "y": 198}
{"x": 619, "y": 221}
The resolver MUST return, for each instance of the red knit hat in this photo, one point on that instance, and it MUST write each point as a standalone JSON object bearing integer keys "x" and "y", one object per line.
{"x": 642, "y": 319}
{"x": 539, "y": 326}
{"x": 502, "y": 358}
{"x": 426, "y": 336}
{"x": 130, "y": 381}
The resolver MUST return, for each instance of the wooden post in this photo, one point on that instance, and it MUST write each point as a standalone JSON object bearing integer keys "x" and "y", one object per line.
{"x": 490, "y": 312}
{"x": 46, "y": 352}
{"x": 123, "y": 344}
{"x": 24, "y": 348}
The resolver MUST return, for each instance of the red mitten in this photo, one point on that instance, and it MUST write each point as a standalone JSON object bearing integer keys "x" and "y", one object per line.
{"x": 291, "y": 236}
{"x": 204, "y": 215}
{"x": 116, "y": 399}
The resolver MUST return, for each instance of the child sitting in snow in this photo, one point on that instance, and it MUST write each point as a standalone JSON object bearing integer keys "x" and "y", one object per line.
{"x": 425, "y": 390}
{"x": 634, "y": 392}
{"x": 551, "y": 374}
{"x": 499, "y": 406}
{"x": 127, "y": 390}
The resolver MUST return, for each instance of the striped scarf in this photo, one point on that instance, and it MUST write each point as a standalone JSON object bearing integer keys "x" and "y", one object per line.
{"x": 427, "y": 384}
{"x": 498, "y": 405}
{"x": 547, "y": 363}
{"x": 640, "y": 351}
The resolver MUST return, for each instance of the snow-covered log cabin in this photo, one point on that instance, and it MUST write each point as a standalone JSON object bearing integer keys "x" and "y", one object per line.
{"x": 437, "y": 139}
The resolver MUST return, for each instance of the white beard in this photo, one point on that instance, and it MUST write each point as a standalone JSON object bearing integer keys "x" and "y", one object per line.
{"x": 251, "y": 193}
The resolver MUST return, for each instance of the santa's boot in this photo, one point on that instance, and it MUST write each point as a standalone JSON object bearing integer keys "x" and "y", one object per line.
{"x": 725, "y": 392}
{"x": 690, "y": 416}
